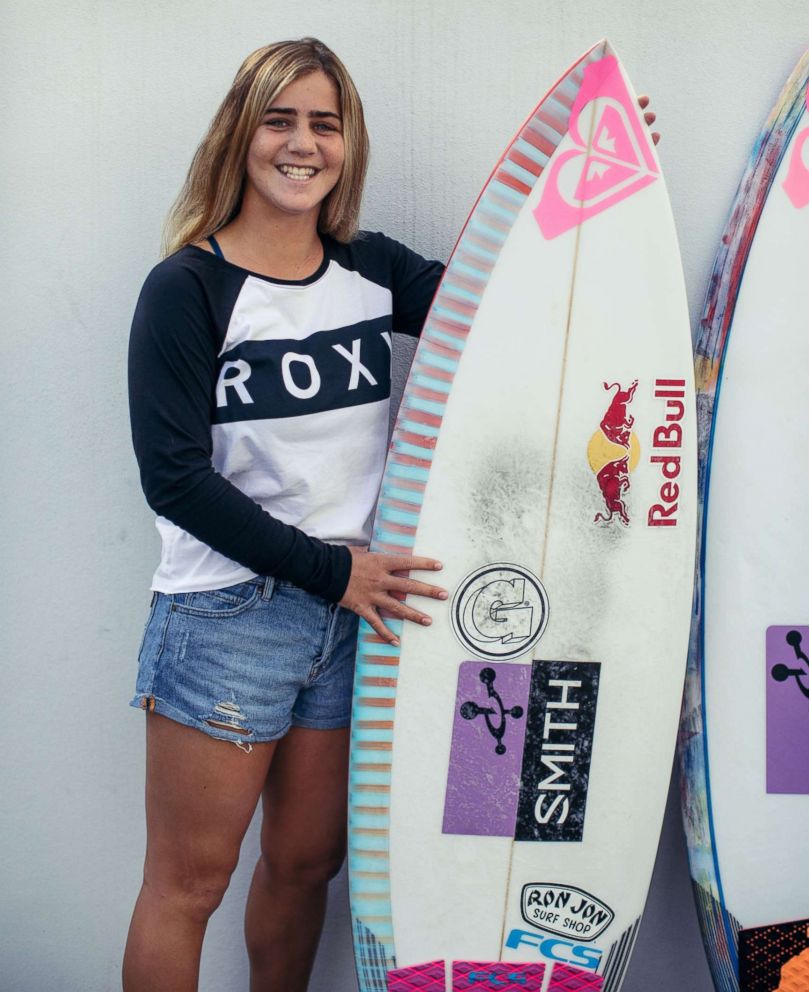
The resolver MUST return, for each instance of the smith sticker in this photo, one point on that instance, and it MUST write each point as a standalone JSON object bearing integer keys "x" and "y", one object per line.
{"x": 522, "y": 736}
{"x": 558, "y": 748}
{"x": 565, "y": 910}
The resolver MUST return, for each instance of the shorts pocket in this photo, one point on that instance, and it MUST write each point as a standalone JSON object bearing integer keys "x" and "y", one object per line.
{"x": 149, "y": 616}
{"x": 227, "y": 602}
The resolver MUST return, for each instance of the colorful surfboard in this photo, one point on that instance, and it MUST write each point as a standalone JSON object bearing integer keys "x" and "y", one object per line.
{"x": 510, "y": 763}
{"x": 744, "y": 744}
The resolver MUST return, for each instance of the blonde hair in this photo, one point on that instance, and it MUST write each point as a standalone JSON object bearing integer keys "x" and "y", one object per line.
{"x": 212, "y": 192}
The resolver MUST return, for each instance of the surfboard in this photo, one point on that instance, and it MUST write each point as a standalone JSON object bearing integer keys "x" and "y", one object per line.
{"x": 744, "y": 740}
{"x": 510, "y": 763}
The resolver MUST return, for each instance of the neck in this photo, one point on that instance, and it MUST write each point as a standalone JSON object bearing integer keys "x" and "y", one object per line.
{"x": 282, "y": 246}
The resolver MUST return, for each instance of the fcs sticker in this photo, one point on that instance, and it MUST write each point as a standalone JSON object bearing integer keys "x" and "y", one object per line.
{"x": 502, "y": 976}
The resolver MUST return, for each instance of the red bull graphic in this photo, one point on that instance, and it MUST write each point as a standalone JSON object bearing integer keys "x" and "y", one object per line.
{"x": 613, "y": 452}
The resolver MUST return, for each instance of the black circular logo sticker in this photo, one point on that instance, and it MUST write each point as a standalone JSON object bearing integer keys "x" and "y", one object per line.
{"x": 500, "y": 611}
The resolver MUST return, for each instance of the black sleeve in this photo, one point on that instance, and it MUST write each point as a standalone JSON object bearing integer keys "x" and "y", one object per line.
{"x": 172, "y": 372}
{"x": 414, "y": 281}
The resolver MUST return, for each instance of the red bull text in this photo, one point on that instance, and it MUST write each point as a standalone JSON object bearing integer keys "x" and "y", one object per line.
{"x": 667, "y": 442}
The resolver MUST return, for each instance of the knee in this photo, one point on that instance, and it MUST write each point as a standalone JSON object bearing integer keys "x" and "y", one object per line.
{"x": 192, "y": 893}
{"x": 302, "y": 868}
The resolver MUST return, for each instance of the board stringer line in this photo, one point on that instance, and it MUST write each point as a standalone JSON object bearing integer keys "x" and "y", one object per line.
{"x": 436, "y": 362}
{"x": 554, "y": 452}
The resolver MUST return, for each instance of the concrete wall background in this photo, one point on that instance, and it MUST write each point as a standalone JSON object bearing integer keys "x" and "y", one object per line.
{"x": 104, "y": 105}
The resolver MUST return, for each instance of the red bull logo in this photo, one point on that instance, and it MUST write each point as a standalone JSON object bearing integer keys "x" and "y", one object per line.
{"x": 613, "y": 452}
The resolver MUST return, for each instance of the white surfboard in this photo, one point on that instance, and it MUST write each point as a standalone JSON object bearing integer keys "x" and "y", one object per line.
{"x": 745, "y": 732}
{"x": 510, "y": 763}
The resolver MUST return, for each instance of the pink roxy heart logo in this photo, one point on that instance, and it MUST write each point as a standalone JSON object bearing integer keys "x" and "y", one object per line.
{"x": 620, "y": 162}
{"x": 796, "y": 183}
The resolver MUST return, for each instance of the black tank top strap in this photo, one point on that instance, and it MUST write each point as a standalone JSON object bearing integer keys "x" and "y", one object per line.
{"x": 215, "y": 246}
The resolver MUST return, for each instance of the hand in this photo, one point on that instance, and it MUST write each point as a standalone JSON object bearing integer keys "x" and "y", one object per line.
{"x": 377, "y": 589}
{"x": 650, "y": 117}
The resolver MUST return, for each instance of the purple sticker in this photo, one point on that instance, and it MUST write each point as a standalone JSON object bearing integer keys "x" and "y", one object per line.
{"x": 428, "y": 977}
{"x": 488, "y": 738}
{"x": 787, "y": 710}
{"x": 498, "y": 976}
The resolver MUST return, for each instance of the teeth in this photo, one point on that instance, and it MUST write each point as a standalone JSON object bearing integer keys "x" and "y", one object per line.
{"x": 297, "y": 171}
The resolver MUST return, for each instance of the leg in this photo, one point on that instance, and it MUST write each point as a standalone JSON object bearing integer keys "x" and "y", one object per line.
{"x": 303, "y": 840}
{"x": 200, "y": 797}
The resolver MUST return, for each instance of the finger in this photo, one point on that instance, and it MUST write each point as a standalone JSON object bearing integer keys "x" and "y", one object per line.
{"x": 412, "y": 587}
{"x": 656, "y": 137}
{"x": 643, "y": 101}
{"x": 396, "y": 610}
{"x": 650, "y": 117}
{"x": 400, "y": 563}
{"x": 372, "y": 618}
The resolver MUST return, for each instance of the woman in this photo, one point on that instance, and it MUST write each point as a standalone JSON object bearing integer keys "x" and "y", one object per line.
{"x": 259, "y": 393}
{"x": 259, "y": 390}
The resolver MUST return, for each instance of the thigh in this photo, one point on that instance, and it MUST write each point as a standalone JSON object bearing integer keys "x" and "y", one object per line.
{"x": 305, "y": 800}
{"x": 201, "y": 794}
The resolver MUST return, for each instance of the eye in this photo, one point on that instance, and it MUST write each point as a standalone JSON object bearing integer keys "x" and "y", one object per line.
{"x": 325, "y": 126}
{"x": 277, "y": 122}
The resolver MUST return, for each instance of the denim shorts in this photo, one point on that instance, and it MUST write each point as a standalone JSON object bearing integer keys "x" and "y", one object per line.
{"x": 247, "y": 662}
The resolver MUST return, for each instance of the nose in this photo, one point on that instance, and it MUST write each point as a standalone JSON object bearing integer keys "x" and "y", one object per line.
{"x": 301, "y": 141}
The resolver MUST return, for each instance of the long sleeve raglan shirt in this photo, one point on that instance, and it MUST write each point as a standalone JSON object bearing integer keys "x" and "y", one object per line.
{"x": 259, "y": 409}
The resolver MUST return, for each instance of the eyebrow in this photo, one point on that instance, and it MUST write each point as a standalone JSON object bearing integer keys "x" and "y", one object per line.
{"x": 294, "y": 113}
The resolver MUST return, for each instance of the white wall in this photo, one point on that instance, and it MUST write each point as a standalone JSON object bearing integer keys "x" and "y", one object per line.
{"x": 104, "y": 103}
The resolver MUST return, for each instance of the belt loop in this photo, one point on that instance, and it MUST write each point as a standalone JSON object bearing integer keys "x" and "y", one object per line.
{"x": 269, "y": 587}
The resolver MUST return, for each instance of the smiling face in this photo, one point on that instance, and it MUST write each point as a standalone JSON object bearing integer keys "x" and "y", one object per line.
{"x": 296, "y": 154}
